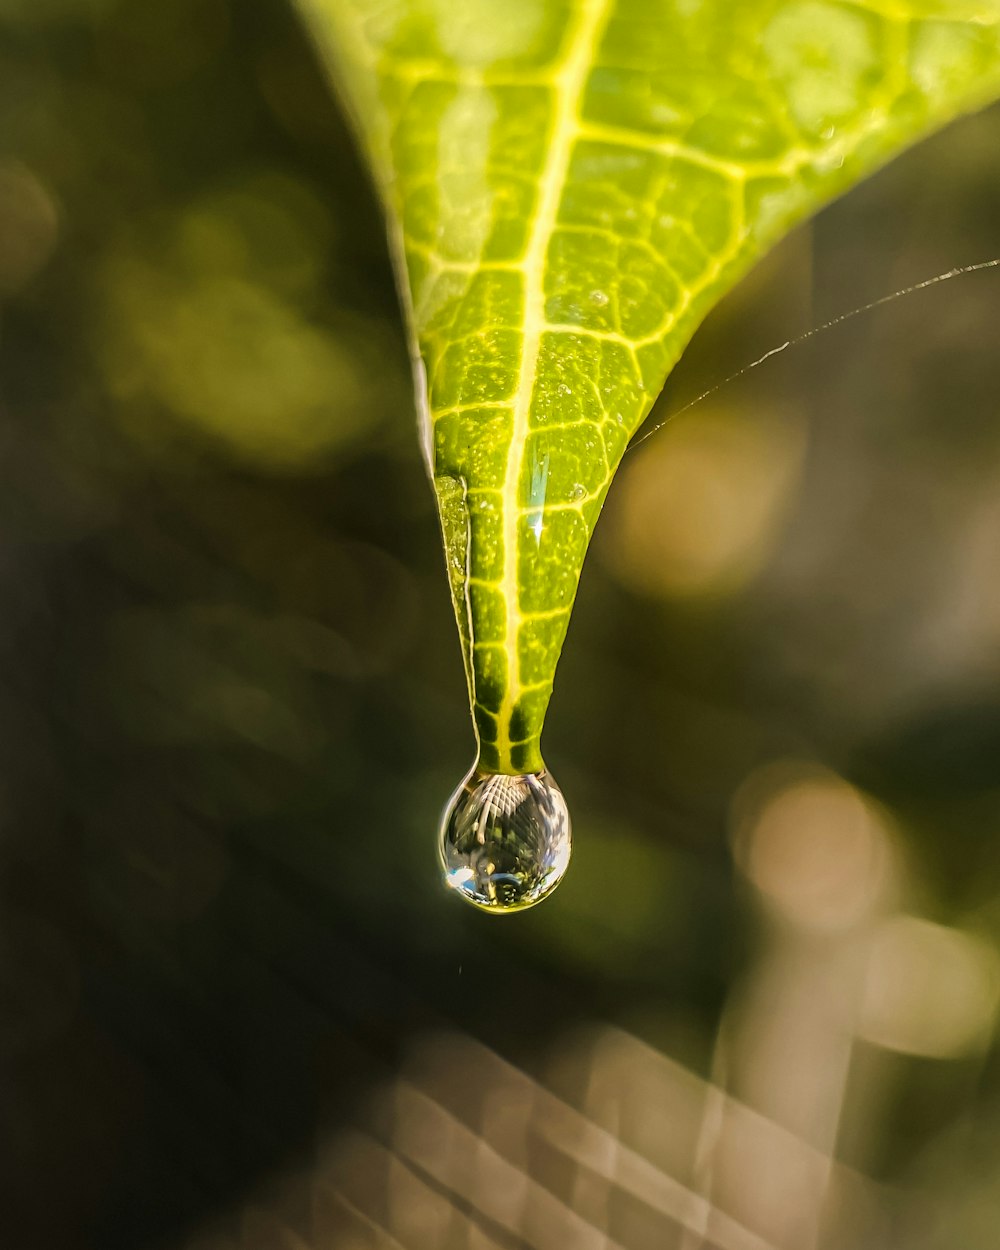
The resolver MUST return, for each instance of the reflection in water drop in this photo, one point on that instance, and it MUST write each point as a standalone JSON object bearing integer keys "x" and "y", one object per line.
{"x": 505, "y": 841}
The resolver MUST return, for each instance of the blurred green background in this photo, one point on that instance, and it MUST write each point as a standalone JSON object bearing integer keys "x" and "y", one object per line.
{"x": 232, "y": 706}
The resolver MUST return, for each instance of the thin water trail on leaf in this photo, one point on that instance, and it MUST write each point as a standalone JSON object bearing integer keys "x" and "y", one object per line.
{"x": 959, "y": 271}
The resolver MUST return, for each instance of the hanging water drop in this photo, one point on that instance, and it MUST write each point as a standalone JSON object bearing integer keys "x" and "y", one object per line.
{"x": 505, "y": 841}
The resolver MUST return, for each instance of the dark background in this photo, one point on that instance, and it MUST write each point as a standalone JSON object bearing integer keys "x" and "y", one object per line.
{"x": 232, "y": 705}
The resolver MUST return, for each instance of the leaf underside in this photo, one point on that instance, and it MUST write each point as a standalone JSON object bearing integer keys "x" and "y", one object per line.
{"x": 570, "y": 185}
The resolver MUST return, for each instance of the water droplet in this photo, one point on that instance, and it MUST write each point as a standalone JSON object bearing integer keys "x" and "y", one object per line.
{"x": 600, "y": 298}
{"x": 505, "y": 841}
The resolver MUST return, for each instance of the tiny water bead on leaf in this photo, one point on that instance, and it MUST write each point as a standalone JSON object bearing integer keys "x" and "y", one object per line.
{"x": 505, "y": 840}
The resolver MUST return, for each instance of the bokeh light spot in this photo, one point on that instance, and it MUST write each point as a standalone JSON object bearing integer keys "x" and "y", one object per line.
{"x": 929, "y": 990}
{"x": 699, "y": 509}
{"x": 812, "y": 844}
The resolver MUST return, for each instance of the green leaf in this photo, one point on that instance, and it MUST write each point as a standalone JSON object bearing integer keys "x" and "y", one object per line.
{"x": 570, "y": 185}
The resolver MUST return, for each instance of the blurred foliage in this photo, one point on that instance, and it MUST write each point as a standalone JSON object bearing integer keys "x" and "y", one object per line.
{"x": 232, "y": 703}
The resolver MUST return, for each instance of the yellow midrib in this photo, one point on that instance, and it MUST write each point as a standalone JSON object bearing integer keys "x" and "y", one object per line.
{"x": 568, "y": 84}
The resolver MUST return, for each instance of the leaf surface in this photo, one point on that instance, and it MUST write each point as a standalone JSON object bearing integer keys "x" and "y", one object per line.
{"x": 570, "y": 185}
